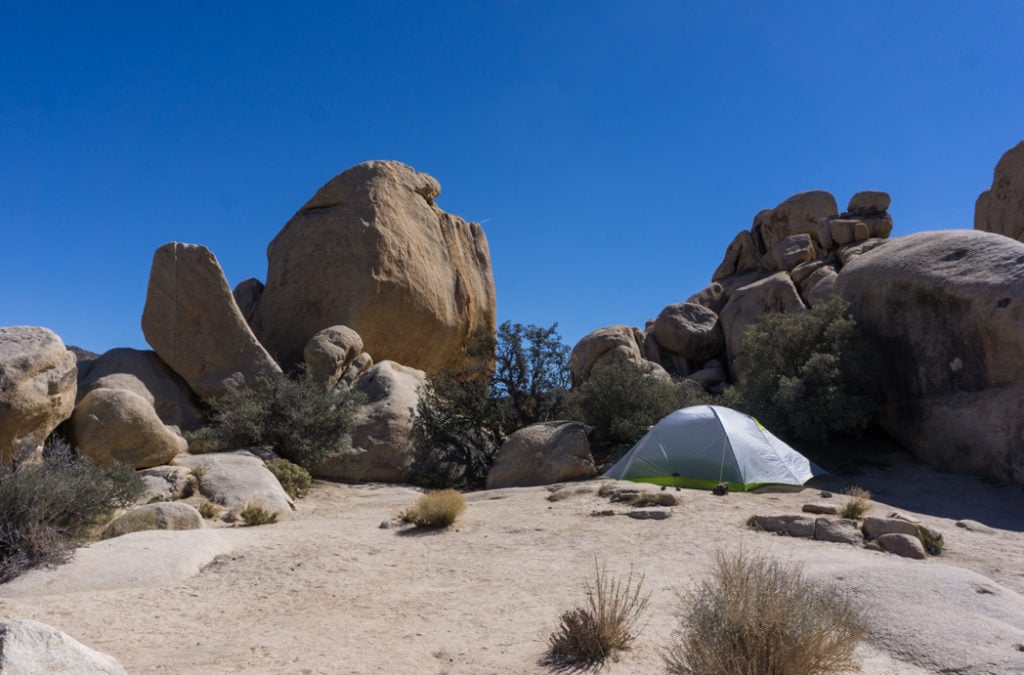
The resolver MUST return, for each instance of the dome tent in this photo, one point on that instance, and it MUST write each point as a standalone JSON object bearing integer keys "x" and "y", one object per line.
{"x": 704, "y": 445}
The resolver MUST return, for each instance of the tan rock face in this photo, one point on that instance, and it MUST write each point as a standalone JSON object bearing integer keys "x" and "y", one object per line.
{"x": 37, "y": 388}
{"x": 117, "y": 425}
{"x": 193, "y": 324}
{"x": 603, "y": 346}
{"x": 748, "y": 304}
{"x": 1000, "y": 209}
{"x": 946, "y": 310}
{"x": 336, "y": 354}
{"x": 372, "y": 251}
{"x": 797, "y": 215}
{"x": 741, "y": 257}
{"x": 542, "y": 454}
{"x": 143, "y": 373}
{"x": 690, "y": 330}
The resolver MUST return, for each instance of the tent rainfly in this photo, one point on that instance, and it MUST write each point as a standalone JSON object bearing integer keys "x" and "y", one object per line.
{"x": 704, "y": 445}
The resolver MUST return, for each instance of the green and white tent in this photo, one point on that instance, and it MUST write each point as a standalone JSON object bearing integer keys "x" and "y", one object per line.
{"x": 704, "y": 445}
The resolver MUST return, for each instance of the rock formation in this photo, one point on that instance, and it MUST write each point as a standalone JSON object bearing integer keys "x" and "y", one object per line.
{"x": 37, "y": 388}
{"x": 542, "y": 454}
{"x": 372, "y": 251}
{"x": 119, "y": 425}
{"x": 336, "y": 355}
{"x": 946, "y": 310}
{"x": 1000, "y": 209}
{"x": 193, "y": 324}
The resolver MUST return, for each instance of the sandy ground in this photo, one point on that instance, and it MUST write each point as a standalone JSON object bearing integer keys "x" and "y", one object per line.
{"x": 330, "y": 591}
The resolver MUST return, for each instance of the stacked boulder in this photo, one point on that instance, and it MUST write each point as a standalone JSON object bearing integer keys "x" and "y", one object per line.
{"x": 1000, "y": 209}
{"x": 787, "y": 262}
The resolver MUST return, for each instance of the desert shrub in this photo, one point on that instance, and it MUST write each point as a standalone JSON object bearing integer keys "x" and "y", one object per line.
{"x": 436, "y": 509}
{"x": 858, "y": 503}
{"x": 301, "y": 419}
{"x": 48, "y": 507}
{"x": 464, "y": 415}
{"x": 932, "y": 540}
{"x": 293, "y": 478}
{"x": 621, "y": 402}
{"x": 254, "y": 513}
{"x": 760, "y": 616}
{"x": 210, "y": 510}
{"x": 807, "y": 374}
{"x": 608, "y": 621}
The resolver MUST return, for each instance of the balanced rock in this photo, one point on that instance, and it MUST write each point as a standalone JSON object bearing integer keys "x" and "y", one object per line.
{"x": 946, "y": 311}
{"x": 542, "y": 454}
{"x": 690, "y": 330}
{"x": 797, "y": 215}
{"x": 1000, "y": 209}
{"x": 144, "y": 373}
{"x": 117, "y": 425}
{"x": 192, "y": 322}
{"x": 336, "y": 354}
{"x": 28, "y": 647}
{"x": 372, "y": 251}
{"x": 749, "y": 304}
{"x": 383, "y": 443}
{"x": 604, "y": 345}
{"x": 868, "y": 203}
{"x": 37, "y": 388}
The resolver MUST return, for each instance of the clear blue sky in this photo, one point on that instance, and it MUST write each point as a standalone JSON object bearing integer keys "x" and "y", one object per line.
{"x": 611, "y": 149}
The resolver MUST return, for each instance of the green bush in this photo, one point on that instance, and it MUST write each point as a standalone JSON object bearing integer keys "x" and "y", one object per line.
{"x": 293, "y": 478}
{"x": 465, "y": 415}
{"x": 254, "y": 513}
{"x": 806, "y": 375}
{"x": 620, "y": 401}
{"x": 760, "y": 616}
{"x": 48, "y": 507}
{"x": 298, "y": 417}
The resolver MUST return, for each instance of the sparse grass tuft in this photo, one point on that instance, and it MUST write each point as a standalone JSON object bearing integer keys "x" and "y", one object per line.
{"x": 254, "y": 513}
{"x": 857, "y": 505}
{"x": 760, "y": 616}
{"x": 437, "y": 509}
{"x": 293, "y": 478}
{"x": 589, "y": 634}
{"x": 932, "y": 540}
{"x": 647, "y": 499}
{"x": 210, "y": 510}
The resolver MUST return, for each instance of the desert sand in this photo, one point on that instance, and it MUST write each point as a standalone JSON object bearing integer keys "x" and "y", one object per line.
{"x": 328, "y": 590}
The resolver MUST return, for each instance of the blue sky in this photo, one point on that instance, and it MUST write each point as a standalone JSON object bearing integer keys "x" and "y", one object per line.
{"x": 611, "y": 149}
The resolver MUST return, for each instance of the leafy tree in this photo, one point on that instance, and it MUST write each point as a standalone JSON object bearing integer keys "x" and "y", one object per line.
{"x": 807, "y": 374}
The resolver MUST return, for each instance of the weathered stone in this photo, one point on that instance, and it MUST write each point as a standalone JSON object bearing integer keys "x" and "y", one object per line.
{"x": 247, "y": 296}
{"x": 37, "y": 388}
{"x": 602, "y": 346}
{"x": 1000, "y": 209}
{"x": 740, "y": 257}
{"x": 372, "y": 251}
{"x": 792, "y": 525}
{"x": 819, "y": 286}
{"x": 792, "y": 251}
{"x": 868, "y": 203}
{"x": 839, "y": 530}
{"x": 192, "y": 322}
{"x": 875, "y": 527}
{"x": 975, "y": 526}
{"x": 690, "y": 330}
{"x": 117, "y": 425}
{"x": 650, "y": 513}
{"x": 542, "y": 454}
{"x": 850, "y": 251}
{"x": 798, "y": 214}
{"x": 711, "y": 296}
{"x": 824, "y": 509}
{"x": 903, "y": 545}
{"x": 711, "y": 375}
{"x": 332, "y": 352}
{"x": 804, "y": 270}
{"x": 167, "y": 483}
{"x": 145, "y": 374}
{"x": 234, "y": 479}
{"x": 946, "y": 313}
{"x": 30, "y": 648}
{"x": 383, "y": 443}
{"x": 157, "y": 516}
{"x": 748, "y": 304}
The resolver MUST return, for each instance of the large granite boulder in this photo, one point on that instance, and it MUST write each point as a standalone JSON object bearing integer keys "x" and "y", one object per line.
{"x": 797, "y": 215}
{"x": 372, "y": 251}
{"x": 235, "y": 479}
{"x": 542, "y": 454}
{"x": 604, "y": 345}
{"x": 37, "y": 388}
{"x": 192, "y": 322}
{"x": 690, "y": 330}
{"x": 29, "y": 647}
{"x": 383, "y": 443}
{"x": 946, "y": 310}
{"x": 144, "y": 373}
{"x": 1000, "y": 209}
{"x": 111, "y": 425}
{"x": 748, "y": 304}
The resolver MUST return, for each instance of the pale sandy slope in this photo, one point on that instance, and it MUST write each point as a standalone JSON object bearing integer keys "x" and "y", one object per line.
{"x": 329, "y": 591}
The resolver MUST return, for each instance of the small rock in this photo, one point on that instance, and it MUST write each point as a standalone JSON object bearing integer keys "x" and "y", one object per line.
{"x": 839, "y": 530}
{"x": 720, "y": 490}
{"x": 824, "y": 509}
{"x": 825, "y": 494}
{"x": 903, "y": 545}
{"x": 605, "y": 512}
{"x": 385, "y": 525}
{"x": 876, "y": 527}
{"x": 975, "y": 526}
{"x": 650, "y": 514}
{"x": 793, "y": 525}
